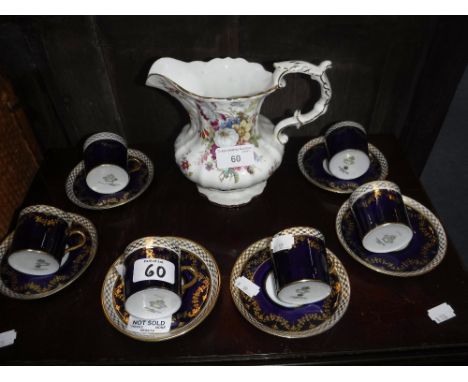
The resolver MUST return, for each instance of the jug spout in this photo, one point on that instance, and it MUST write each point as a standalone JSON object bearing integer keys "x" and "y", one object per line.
{"x": 173, "y": 76}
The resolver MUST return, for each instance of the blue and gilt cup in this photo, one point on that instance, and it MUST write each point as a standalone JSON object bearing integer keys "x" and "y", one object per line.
{"x": 300, "y": 266}
{"x": 153, "y": 278}
{"x": 40, "y": 241}
{"x": 106, "y": 163}
{"x": 347, "y": 150}
{"x": 381, "y": 217}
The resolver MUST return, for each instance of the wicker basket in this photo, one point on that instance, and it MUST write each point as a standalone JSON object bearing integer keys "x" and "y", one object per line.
{"x": 19, "y": 155}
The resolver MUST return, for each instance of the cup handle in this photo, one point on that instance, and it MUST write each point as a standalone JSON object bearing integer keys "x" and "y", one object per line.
{"x": 194, "y": 279}
{"x": 137, "y": 167}
{"x": 316, "y": 73}
{"x": 82, "y": 241}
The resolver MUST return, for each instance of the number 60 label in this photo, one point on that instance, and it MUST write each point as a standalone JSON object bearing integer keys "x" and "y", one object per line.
{"x": 235, "y": 156}
{"x": 153, "y": 269}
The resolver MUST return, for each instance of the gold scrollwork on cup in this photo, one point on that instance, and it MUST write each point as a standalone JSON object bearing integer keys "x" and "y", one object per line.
{"x": 46, "y": 221}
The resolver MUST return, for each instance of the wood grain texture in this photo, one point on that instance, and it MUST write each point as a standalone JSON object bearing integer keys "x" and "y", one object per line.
{"x": 19, "y": 155}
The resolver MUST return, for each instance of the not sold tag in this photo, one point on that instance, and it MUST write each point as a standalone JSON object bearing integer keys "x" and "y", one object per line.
{"x": 143, "y": 326}
{"x": 282, "y": 242}
{"x": 120, "y": 268}
{"x": 235, "y": 156}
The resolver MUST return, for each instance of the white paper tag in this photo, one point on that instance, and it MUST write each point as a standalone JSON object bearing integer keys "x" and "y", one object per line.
{"x": 140, "y": 325}
{"x": 282, "y": 242}
{"x": 153, "y": 269}
{"x": 235, "y": 156}
{"x": 248, "y": 287}
{"x": 441, "y": 313}
{"x": 7, "y": 338}
{"x": 120, "y": 269}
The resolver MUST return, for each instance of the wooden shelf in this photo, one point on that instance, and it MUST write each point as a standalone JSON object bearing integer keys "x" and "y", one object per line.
{"x": 386, "y": 321}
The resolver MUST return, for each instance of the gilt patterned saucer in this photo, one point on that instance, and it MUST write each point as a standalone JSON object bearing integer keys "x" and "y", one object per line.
{"x": 80, "y": 194}
{"x": 197, "y": 302}
{"x": 268, "y": 314}
{"x": 311, "y": 159}
{"x": 425, "y": 251}
{"x": 26, "y": 287}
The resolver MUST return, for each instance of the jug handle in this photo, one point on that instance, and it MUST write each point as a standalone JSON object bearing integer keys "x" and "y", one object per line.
{"x": 316, "y": 73}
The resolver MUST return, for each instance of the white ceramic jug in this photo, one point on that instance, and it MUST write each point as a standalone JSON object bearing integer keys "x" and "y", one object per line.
{"x": 229, "y": 150}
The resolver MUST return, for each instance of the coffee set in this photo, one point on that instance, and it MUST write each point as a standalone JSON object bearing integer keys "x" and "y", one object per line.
{"x": 348, "y": 171}
{"x": 290, "y": 284}
{"x": 110, "y": 174}
{"x": 160, "y": 288}
{"x": 48, "y": 250}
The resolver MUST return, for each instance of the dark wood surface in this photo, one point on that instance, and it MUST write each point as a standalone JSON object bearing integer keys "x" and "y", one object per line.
{"x": 386, "y": 321}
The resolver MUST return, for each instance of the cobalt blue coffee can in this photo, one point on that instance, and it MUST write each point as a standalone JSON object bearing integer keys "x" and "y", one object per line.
{"x": 39, "y": 245}
{"x": 381, "y": 217}
{"x": 300, "y": 266}
{"x": 106, "y": 162}
{"x": 347, "y": 150}
{"x": 153, "y": 278}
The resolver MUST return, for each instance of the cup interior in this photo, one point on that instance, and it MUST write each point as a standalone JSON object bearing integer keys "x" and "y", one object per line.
{"x": 107, "y": 179}
{"x": 380, "y": 214}
{"x": 153, "y": 303}
{"x": 388, "y": 237}
{"x": 304, "y": 292}
{"x": 301, "y": 272}
{"x": 270, "y": 289}
{"x": 349, "y": 164}
{"x": 32, "y": 262}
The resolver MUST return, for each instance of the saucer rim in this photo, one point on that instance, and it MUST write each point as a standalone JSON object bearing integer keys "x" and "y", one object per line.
{"x": 77, "y": 219}
{"x": 215, "y": 289}
{"x": 414, "y": 204}
{"x": 341, "y": 309}
{"x": 71, "y": 178}
{"x": 316, "y": 141}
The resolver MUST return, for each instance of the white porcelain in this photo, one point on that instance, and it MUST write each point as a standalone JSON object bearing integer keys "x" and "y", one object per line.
{"x": 223, "y": 98}
{"x": 107, "y": 179}
{"x": 270, "y": 289}
{"x": 349, "y": 164}
{"x": 388, "y": 237}
{"x": 104, "y": 135}
{"x": 153, "y": 303}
